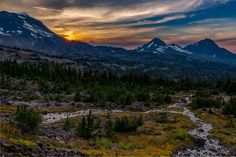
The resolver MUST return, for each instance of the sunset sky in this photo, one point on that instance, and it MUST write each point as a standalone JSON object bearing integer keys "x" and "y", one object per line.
{"x": 129, "y": 23}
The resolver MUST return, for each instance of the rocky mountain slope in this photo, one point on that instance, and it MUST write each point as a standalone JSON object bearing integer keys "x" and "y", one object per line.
{"x": 155, "y": 57}
{"x": 208, "y": 49}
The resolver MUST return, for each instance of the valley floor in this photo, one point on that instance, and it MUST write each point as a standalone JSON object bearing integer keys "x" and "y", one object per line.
{"x": 158, "y": 136}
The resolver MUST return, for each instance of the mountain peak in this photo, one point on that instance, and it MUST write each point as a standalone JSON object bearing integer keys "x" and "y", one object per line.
{"x": 207, "y": 40}
{"x": 208, "y": 49}
{"x": 156, "y": 45}
{"x": 23, "y": 13}
{"x": 158, "y": 42}
{"x": 206, "y": 43}
{"x": 22, "y": 24}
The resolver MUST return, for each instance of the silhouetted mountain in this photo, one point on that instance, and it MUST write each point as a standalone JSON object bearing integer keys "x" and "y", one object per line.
{"x": 208, "y": 49}
{"x": 155, "y": 57}
{"x": 23, "y": 31}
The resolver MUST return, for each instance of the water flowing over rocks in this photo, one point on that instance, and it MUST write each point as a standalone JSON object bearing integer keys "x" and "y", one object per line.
{"x": 206, "y": 146}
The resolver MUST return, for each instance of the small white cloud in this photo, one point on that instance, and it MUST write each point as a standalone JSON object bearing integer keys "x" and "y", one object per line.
{"x": 163, "y": 20}
{"x": 209, "y": 20}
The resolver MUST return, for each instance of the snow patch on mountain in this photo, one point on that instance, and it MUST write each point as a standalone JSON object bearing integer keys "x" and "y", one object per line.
{"x": 2, "y": 32}
{"x": 34, "y": 35}
{"x": 179, "y": 49}
{"x": 19, "y": 32}
{"x": 36, "y": 29}
{"x": 142, "y": 49}
{"x": 150, "y": 44}
{"x": 22, "y": 17}
{"x": 161, "y": 49}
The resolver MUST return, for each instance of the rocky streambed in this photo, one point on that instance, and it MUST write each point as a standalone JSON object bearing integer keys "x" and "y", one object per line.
{"x": 206, "y": 146}
{"x": 54, "y": 117}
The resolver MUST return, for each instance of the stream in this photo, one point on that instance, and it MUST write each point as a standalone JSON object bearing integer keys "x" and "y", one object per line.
{"x": 207, "y": 147}
{"x": 54, "y": 117}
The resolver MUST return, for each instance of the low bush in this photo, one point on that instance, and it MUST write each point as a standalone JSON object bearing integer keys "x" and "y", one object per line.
{"x": 180, "y": 135}
{"x": 27, "y": 120}
{"x": 200, "y": 102}
{"x": 230, "y": 107}
{"x": 125, "y": 146}
{"x": 109, "y": 127}
{"x": 77, "y": 97}
{"x": 202, "y": 93}
{"x": 126, "y": 124}
{"x": 104, "y": 142}
{"x": 162, "y": 117}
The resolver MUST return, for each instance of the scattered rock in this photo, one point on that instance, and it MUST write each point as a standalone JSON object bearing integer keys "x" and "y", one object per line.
{"x": 8, "y": 150}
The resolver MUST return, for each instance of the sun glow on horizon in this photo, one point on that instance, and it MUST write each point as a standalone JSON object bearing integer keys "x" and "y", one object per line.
{"x": 72, "y": 36}
{"x": 129, "y": 24}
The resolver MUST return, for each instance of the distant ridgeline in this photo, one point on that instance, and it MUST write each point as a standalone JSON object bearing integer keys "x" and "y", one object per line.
{"x": 201, "y": 60}
{"x": 157, "y": 66}
{"x": 56, "y": 78}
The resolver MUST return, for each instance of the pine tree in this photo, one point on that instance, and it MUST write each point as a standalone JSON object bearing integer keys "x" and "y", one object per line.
{"x": 81, "y": 129}
{"x": 67, "y": 125}
{"x": 86, "y": 126}
{"x": 109, "y": 127}
{"x": 90, "y": 126}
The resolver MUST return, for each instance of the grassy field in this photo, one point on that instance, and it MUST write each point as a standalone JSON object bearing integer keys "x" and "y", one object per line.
{"x": 152, "y": 139}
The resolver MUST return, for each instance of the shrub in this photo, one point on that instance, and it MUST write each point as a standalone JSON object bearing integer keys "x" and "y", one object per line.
{"x": 230, "y": 107}
{"x": 6, "y": 83}
{"x": 109, "y": 128}
{"x": 86, "y": 126}
{"x": 43, "y": 86}
{"x": 230, "y": 123}
{"x": 161, "y": 99}
{"x": 140, "y": 120}
{"x": 125, "y": 99}
{"x": 104, "y": 142}
{"x": 167, "y": 99}
{"x": 206, "y": 103}
{"x": 142, "y": 96}
{"x": 162, "y": 117}
{"x": 202, "y": 93}
{"x": 126, "y": 124}
{"x": 231, "y": 88}
{"x": 10, "y": 130}
{"x": 22, "y": 85}
{"x": 68, "y": 124}
{"x": 77, "y": 97}
{"x": 27, "y": 120}
{"x": 125, "y": 146}
{"x": 180, "y": 135}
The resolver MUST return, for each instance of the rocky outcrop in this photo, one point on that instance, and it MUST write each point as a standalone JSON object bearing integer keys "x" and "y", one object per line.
{"x": 12, "y": 150}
